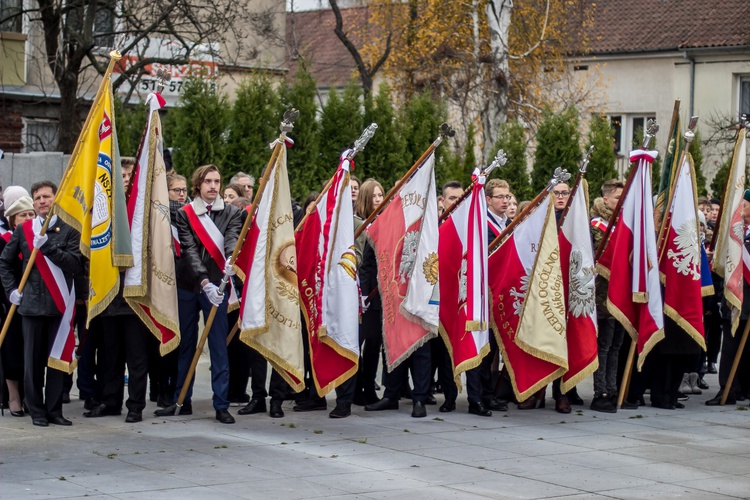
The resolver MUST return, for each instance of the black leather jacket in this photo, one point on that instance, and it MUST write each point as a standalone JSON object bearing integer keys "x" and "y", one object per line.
{"x": 62, "y": 249}
{"x": 196, "y": 263}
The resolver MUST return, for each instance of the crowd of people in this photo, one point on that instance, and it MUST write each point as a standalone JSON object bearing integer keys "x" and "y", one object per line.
{"x": 118, "y": 350}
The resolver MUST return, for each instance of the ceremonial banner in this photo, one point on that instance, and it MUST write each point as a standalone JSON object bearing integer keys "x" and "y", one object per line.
{"x": 730, "y": 240}
{"x": 269, "y": 309}
{"x": 92, "y": 200}
{"x": 579, "y": 271}
{"x": 327, "y": 274}
{"x": 680, "y": 257}
{"x": 150, "y": 285}
{"x": 462, "y": 257}
{"x": 528, "y": 302}
{"x": 634, "y": 296}
{"x": 671, "y": 160}
{"x": 405, "y": 239}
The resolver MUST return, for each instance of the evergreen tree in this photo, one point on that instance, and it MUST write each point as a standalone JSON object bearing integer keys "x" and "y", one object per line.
{"x": 696, "y": 151}
{"x": 253, "y": 123}
{"x": 130, "y": 122}
{"x": 558, "y": 145}
{"x": 200, "y": 125}
{"x": 512, "y": 140}
{"x": 602, "y": 162}
{"x": 383, "y": 158}
{"x": 719, "y": 182}
{"x": 341, "y": 124}
{"x": 303, "y": 159}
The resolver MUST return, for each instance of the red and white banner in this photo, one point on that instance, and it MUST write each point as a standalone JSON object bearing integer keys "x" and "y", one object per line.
{"x": 579, "y": 272}
{"x": 151, "y": 285}
{"x": 405, "y": 239}
{"x": 327, "y": 275}
{"x": 269, "y": 313}
{"x": 62, "y": 354}
{"x": 680, "y": 257}
{"x": 528, "y": 302}
{"x": 728, "y": 259}
{"x": 634, "y": 296}
{"x": 462, "y": 255}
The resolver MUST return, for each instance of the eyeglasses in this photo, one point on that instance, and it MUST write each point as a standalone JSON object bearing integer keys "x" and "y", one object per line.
{"x": 502, "y": 197}
{"x": 561, "y": 194}
{"x": 179, "y": 190}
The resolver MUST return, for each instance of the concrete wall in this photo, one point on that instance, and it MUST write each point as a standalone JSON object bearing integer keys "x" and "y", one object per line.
{"x": 24, "y": 169}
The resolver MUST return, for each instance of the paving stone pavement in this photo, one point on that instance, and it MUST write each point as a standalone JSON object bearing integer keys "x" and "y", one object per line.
{"x": 699, "y": 452}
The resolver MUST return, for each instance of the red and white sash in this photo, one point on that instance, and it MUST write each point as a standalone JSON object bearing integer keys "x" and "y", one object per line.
{"x": 212, "y": 240}
{"x": 495, "y": 226}
{"x": 5, "y": 233}
{"x": 62, "y": 353}
{"x": 176, "y": 241}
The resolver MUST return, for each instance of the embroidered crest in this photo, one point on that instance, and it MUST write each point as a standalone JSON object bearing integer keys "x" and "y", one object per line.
{"x": 520, "y": 295}
{"x": 463, "y": 281}
{"x": 348, "y": 262}
{"x": 581, "y": 294}
{"x": 738, "y": 229}
{"x": 430, "y": 268}
{"x": 687, "y": 258}
{"x": 408, "y": 255}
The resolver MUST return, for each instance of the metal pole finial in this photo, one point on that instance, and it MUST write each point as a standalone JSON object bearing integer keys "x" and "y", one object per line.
{"x": 745, "y": 121}
{"x": 359, "y": 144}
{"x": 690, "y": 132}
{"x": 560, "y": 176}
{"x": 500, "y": 159}
{"x": 162, "y": 78}
{"x": 446, "y": 131}
{"x": 586, "y": 159}
{"x": 652, "y": 128}
{"x": 287, "y": 123}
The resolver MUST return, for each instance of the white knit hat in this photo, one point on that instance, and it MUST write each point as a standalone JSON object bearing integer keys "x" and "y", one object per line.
{"x": 22, "y": 204}
{"x": 11, "y": 194}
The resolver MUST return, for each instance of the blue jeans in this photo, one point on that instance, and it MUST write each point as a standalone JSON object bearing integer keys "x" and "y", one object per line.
{"x": 190, "y": 304}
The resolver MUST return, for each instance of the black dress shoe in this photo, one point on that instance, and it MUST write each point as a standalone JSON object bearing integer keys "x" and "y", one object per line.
{"x": 627, "y": 405}
{"x": 341, "y": 411}
{"x": 253, "y": 407}
{"x": 60, "y": 420}
{"x": 702, "y": 384}
{"x": 163, "y": 401}
{"x": 19, "y": 413}
{"x": 276, "y": 411}
{"x": 311, "y": 405}
{"x": 663, "y": 406}
{"x": 171, "y": 410}
{"x": 574, "y": 398}
{"x": 102, "y": 411}
{"x": 496, "y": 404}
{"x": 134, "y": 416}
{"x": 224, "y": 416}
{"x": 716, "y": 401}
{"x": 447, "y": 407}
{"x": 40, "y": 422}
{"x": 419, "y": 411}
{"x": 66, "y": 398}
{"x": 90, "y": 404}
{"x": 562, "y": 404}
{"x": 712, "y": 368}
{"x": 679, "y": 406}
{"x": 479, "y": 409}
{"x": 430, "y": 400}
{"x": 383, "y": 404}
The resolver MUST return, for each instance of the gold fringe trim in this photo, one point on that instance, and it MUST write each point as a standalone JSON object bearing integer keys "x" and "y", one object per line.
{"x": 543, "y": 355}
{"x": 623, "y": 320}
{"x": 465, "y": 365}
{"x": 603, "y": 271}
{"x": 63, "y": 366}
{"x": 281, "y": 366}
{"x": 655, "y": 339}
{"x": 234, "y": 306}
{"x": 416, "y": 345}
{"x": 341, "y": 351}
{"x": 685, "y": 325}
{"x": 164, "y": 347}
{"x": 99, "y": 308}
{"x": 134, "y": 291}
{"x": 640, "y": 297}
{"x": 476, "y": 326}
{"x": 707, "y": 290}
{"x": 735, "y": 304}
{"x": 566, "y": 385}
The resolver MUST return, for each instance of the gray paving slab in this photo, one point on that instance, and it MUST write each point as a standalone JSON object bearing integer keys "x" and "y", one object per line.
{"x": 699, "y": 452}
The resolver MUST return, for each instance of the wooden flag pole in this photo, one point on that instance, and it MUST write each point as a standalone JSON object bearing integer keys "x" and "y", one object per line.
{"x": 286, "y": 126}
{"x": 359, "y": 145}
{"x": 445, "y": 131}
{"x": 500, "y": 160}
{"x": 114, "y": 56}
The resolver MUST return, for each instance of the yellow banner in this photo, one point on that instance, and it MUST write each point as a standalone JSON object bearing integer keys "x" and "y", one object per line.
{"x": 92, "y": 200}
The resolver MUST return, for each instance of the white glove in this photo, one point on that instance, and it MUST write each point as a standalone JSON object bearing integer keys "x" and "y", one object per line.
{"x": 40, "y": 239}
{"x": 213, "y": 295}
{"x": 364, "y": 303}
{"x": 15, "y": 297}
{"x": 228, "y": 269}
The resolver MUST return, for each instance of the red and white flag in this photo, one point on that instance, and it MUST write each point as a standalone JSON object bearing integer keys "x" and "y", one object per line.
{"x": 528, "y": 302}
{"x": 728, "y": 255}
{"x": 327, "y": 274}
{"x": 150, "y": 285}
{"x": 269, "y": 310}
{"x": 579, "y": 272}
{"x": 630, "y": 261}
{"x": 405, "y": 239}
{"x": 462, "y": 255}
{"x": 680, "y": 257}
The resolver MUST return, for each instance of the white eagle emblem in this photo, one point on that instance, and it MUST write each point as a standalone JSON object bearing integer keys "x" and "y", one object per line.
{"x": 520, "y": 295}
{"x": 408, "y": 255}
{"x": 581, "y": 293}
{"x": 687, "y": 258}
{"x": 463, "y": 281}
{"x": 738, "y": 228}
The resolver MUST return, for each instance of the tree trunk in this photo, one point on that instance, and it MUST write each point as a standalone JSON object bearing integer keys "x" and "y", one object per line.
{"x": 496, "y": 111}
{"x": 70, "y": 119}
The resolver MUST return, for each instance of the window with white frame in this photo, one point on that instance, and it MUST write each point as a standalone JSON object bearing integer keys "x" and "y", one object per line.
{"x": 628, "y": 128}
{"x": 39, "y": 134}
{"x": 744, "y": 96}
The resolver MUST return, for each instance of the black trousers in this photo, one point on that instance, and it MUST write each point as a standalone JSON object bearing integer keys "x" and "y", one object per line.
{"x": 43, "y": 398}
{"x": 239, "y": 362}
{"x": 666, "y": 376}
{"x": 712, "y": 324}
{"x": 421, "y": 374}
{"x": 442, "y": 360}
{"x": 485, "y": 369}
{"x": 371, "y": 343}
{"x": 729, "y": 350}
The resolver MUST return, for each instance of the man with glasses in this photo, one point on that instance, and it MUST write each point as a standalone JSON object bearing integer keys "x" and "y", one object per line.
{"x": 498, "y": 196}
{"x": 247, "y": 182}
